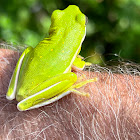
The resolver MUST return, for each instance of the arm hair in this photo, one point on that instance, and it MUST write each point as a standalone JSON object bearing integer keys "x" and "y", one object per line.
{"x": 111, "y": 112}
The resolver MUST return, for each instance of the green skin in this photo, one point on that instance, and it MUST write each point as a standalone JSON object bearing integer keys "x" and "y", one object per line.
{"x": 43, "y": 74}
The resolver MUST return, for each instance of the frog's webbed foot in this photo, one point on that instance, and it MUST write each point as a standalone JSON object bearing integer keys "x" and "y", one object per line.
{"x": 79, "y": 63}
{"x": 80, "y": 84}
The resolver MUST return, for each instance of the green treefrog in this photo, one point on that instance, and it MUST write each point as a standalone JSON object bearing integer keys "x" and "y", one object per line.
{"x": 43, "y": 74}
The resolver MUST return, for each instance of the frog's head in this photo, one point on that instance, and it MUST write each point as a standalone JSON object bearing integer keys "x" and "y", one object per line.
{"x": 69, "y": 19}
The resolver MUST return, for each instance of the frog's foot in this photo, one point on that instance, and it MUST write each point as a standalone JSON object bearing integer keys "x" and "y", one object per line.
{"x": 80, "y": 93}
{"x": 80, "y": 84}
{"x": 88, "y": 64}
{"x": 82, "y": 59}
{"x": 79, "y": 63}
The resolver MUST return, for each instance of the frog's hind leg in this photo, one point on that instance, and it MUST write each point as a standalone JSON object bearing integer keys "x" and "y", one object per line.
{"x": 14, "y": 80}
{"x": 54, "y": 99}
{"x": 49, "y": 91}
{"x": 56, "y": 88}
{"x": 68, "y": 91}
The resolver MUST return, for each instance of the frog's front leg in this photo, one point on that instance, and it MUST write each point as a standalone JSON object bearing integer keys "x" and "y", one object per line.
{"x": 14, "y": 80}
{"x": 56, "y": 88}
{"x": 79, "y": 63}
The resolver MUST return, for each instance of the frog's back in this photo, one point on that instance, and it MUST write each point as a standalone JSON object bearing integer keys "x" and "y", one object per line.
{"x": 43, "y": 63}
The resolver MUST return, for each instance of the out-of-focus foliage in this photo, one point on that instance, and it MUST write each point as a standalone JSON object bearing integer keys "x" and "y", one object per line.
{"x": 113, "y": 27}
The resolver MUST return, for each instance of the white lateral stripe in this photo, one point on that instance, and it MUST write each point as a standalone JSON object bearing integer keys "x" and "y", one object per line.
{"x": 38, "y": 92}
{"x": 67, "y": 69}
{"x": 54, "y": 99}
{"x": 12, "y": 96}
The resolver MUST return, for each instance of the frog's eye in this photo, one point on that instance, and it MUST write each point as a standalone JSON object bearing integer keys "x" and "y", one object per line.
{"x": 82, "y": 19}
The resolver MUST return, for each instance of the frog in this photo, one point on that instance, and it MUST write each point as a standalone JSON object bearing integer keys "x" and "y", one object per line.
{"x": 43, "y": 74}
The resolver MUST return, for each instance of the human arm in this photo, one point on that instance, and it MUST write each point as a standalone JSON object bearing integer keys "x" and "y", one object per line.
{"x": 111, "y": 112}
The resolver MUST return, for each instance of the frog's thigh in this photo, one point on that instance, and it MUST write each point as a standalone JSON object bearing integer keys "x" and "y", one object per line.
{"x": 56, "y": 88}
{"x": 14, "y": 79}
{"x": 54, "y": 99}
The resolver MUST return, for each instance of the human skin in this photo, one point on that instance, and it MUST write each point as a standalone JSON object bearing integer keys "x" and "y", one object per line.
{"x": 111, "y": 112}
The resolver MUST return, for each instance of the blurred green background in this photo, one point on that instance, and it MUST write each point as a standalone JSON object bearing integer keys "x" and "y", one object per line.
{"x": 113, "y": 30}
